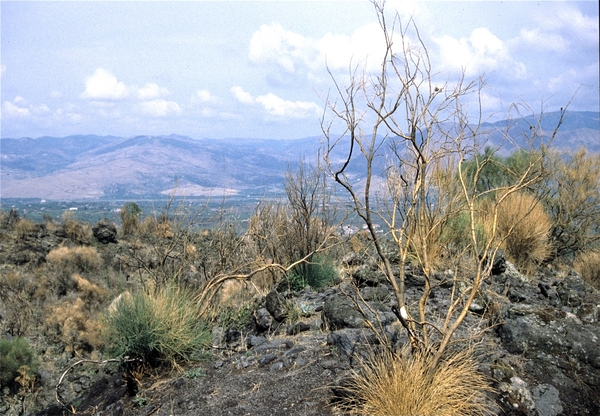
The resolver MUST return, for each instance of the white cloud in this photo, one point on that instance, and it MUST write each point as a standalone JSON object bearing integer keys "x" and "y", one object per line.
{"x": 160, "y": 108}
{"x": 481, "y": 52}
{"x": 365, "y": 44}
{"x": 13, "y": 110}
{"x": 20, "y": 108}
{"x": 150, "y": 91}
{"x": 204, "y": 96}
{"x": 103, "y": 85}
{"x": 277, "y": 106}
{"x": 241, "y": 95}
{"x": 272, "y": 44}
{"x": 566, "y": 30}
{"x": 276, "y": 48}
{"x": 2, "y": 69}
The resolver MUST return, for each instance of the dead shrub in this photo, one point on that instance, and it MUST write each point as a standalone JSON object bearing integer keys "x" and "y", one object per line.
{"x": 79, "y": 259}
{"x": 78, "y": 232}
{"x": 74, "y": 320}
{"x": 588, "y": 265}
{"x": 74, "y": 324}
{"x": 523, "y": 228}
{"x": 572, "y": 197}
{"x": 23, "y": 227}
{"x": 90, "y": 292}
{"x": 406, "y": 384}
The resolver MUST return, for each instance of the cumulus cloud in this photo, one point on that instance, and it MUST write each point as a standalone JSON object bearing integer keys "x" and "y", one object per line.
{"x": 282, "y": 50}
{"x": 160, "y": 108}
{"x": 204, "y": 97}
{"x": 272, "y": 44}
{"x": 241, "y": 95}
{"x": 481, "y": 52}
{"x": 150, "y": 91}
{"x": 20, "y": 108}
{"x": 279, "y": 107}
{"x": 103, "y": 85}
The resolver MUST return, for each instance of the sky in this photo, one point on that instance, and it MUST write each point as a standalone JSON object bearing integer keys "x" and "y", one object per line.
{"x": 263, "y": 69}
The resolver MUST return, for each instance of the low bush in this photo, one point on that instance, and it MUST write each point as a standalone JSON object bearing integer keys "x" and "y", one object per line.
{"x": 23, "y": 227}
{"x": 236, "y": 316}
{"x": 75, "y": 259}
{"x": 76, "y": 231}
{"x": 456, "y": 234}
{"x": 405, "y": 384}
{"x": 16, "y": 359}
{"x": 318, "y": 273}
{"x": 160, "y": 328}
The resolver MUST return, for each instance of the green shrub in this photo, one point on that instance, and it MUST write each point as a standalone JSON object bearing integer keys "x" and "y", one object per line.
{"x": 456, "y": 234}
{"x": 318, "y": 273}
{"x": 236, "y": 317}
{"x": 15, "y": 354}
{"x": 160, "y": 328}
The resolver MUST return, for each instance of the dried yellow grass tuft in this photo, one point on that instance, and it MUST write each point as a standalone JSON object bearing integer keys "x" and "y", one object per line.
{"x": 588, "y": 265}
{"x": 523, "y": 229}
{"x": 407, "y": 385}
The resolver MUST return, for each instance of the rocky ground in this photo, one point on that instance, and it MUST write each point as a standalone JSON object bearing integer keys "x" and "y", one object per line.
{"x": 542, "y": 351}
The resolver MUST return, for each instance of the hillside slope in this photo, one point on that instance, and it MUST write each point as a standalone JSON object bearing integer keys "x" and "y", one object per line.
{"x": 80, "y": 167}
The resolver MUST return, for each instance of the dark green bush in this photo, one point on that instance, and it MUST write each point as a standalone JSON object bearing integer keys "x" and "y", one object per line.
{"x": 318, "y": 273}
{"x": 236, "y": 317}
{"x": 14, "y": 354}
{"x": 160, "y": 328}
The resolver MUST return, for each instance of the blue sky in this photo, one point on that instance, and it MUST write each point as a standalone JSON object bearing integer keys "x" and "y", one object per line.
{"x": 226, "y": 69}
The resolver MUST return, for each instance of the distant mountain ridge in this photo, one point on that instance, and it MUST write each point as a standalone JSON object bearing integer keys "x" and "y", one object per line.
{"x": 91, "y": 166}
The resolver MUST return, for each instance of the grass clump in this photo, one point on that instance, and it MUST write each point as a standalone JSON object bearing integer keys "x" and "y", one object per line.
{"x": 160, "y": 328}
{"x": 523, "y": 228}
{"x": 318, "y": 273}
{"x": 16, "y": 358}
{"x": 407, "y": 385}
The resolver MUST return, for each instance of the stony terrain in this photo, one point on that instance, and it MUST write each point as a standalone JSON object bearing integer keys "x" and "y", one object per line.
{"x": 543, "y": 355}
{"x": 539, "y": 345}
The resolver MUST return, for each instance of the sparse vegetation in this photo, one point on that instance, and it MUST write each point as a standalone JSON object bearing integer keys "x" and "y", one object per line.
{"x": 436, "y": 202}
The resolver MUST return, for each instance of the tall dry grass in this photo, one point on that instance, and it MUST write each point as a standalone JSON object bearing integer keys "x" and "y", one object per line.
{"x": 523, "y": 229}
{"x": 80, "y": 258}
{"x": 75, "y": 320}
{"x": 588, "y": 265}
{"x": 406, "y": 385}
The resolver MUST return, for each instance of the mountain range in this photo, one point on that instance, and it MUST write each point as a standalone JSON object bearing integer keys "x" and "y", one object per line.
{"x": 93, "y": 167}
